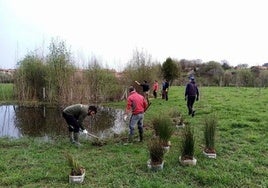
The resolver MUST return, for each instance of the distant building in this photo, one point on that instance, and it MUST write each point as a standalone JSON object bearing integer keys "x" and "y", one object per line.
{"x": 7, "y": 71}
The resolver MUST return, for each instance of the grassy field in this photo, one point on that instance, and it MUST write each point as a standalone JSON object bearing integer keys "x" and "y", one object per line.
{"x": 6, "y": 92}
{"x": 241, "y": 144}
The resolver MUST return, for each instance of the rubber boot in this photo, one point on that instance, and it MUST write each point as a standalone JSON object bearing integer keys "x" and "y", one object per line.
{"x": 130, "y": 138}
{"x": 71, "y": 136}
{"x": 141, "y": 137}
{"x": 190, "y": 111}
{"x": 76, "y": 139}
{"x": 193, "y": 113}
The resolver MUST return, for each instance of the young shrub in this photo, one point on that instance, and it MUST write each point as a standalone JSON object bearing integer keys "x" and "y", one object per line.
{"x": 187, "y": 143}
{"x": 177, "y": 118}
{"x": 156, "y": 151}
{"x": 209, "y": 133}
{"x": 174, "y": 113}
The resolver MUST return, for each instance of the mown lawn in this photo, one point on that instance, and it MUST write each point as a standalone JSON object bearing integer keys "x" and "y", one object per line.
{"x": 241, "y": 144}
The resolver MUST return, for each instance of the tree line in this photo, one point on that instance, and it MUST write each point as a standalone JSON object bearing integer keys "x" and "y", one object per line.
{"x": 55, "y": 78}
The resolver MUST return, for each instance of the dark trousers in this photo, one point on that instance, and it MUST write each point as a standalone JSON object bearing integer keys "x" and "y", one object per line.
{"x": 164, "y": 94}
{"x": 155, "y": 94}
{"x": 190, "y": 104}
{"x": 72, "y": 122}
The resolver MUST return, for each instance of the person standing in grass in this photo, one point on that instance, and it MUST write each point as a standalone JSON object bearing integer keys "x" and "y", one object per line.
{"x": 155, "y": 88}
{"x": 165, "y": 87}
{"x": 145, "y": 89}
{"x": 136, "y": 106}
{"x": 74, "y": 116}
{"x": 191, "y": 95}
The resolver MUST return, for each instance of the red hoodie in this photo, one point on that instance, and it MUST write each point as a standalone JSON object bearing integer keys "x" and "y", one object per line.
{"x": 156, "y": 86}
{"x": 136, "y": 103}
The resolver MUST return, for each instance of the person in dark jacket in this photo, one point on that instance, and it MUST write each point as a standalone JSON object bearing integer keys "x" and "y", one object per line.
{"x": 145, "y": 89}
{"x": 165, "y": 87}
{"x": 74, "y": 116}
{"x": 191, "y": 95}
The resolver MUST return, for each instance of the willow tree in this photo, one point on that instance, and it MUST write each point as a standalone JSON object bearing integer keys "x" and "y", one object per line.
{"x": 29, "y": 78}
{"x": 141, "y": 67}
{"x": 170, "y": 70}
{"x": 102, "y": 83}
{"x": 60, "y": 70}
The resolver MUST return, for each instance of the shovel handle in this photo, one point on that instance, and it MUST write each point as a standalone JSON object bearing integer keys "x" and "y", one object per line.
{"x": 93, "y": 135}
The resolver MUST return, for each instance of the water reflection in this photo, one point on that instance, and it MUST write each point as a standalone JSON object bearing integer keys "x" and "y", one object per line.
{"x": 18, "y": 121}
{"x": 7, "y": 118}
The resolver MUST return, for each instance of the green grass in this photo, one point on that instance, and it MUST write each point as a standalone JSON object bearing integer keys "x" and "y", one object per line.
{"x": 241, "y": 145}
{"x": 6, "y": 92}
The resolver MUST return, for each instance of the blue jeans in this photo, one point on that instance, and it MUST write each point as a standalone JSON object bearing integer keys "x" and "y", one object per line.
{"x": 136, "y": 119}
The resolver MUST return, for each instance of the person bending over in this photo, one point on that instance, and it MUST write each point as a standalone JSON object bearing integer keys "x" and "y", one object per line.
{"x": 74, "y": 116}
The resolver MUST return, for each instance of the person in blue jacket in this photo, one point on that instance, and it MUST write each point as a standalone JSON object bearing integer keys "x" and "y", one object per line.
{"x": 165, "y": 88}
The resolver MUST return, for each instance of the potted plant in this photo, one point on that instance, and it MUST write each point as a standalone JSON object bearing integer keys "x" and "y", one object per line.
{"x": 187, "y": 147}
{"x": 77, "y": 173}
{"x": 156, "y": 152}
{"x": 163, "y": 129}
{"x": 209, "y": 136}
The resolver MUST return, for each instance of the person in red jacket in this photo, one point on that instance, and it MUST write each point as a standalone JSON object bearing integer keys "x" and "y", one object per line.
{"x": 155, "y": 88}
{"x": 136, "y": 106}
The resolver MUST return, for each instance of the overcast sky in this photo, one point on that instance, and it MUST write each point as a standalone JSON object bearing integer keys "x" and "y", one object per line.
{"x": 232, "y": 30}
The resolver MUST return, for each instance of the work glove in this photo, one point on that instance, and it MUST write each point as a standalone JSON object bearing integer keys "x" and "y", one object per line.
{"x": 125, "y": 117}
{"x": 70, "y": 126}
{"x": 197, "y": 98}
{"x": 84, "y": 132}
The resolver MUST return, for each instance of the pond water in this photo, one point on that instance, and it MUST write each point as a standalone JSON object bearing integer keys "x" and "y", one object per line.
{"x": 17, "y": 121}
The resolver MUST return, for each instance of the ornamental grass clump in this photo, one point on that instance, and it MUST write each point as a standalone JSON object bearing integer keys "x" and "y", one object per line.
{"x": 187, "y": 143}
{"x": 209, "y": 133}
{"x": 163, "y": 129}
{"x": 76, "y": 168}
{"x": 156, "y": 151}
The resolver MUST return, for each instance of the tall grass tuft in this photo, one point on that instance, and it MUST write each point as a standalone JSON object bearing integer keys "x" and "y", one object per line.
{"x": 76, "y": 168}
{"x": 163, "y": 128}
{"x": 210, "y": 123}
{"x": 187, "y": 143}
{"x": 156, "y": 151}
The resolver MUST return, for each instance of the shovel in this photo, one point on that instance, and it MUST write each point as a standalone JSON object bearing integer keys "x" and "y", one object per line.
{"x": 98, "y": 142}
{"x": 92, "y": 135}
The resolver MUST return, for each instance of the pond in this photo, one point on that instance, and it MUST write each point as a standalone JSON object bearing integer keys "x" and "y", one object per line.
{"x": 18, "y": 121}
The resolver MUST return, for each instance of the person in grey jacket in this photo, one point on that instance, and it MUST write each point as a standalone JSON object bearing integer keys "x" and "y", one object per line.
{"x": 191, "y": 95}
{"x": 74, "y": 116}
